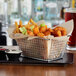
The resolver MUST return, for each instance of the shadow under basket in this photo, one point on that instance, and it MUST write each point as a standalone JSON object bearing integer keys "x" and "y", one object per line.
{"x": 42, "y": 49}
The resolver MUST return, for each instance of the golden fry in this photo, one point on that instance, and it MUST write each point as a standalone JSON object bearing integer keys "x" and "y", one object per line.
{"x": 40, "y": 35}
{"x": 34, "y": 30}
{"x": 17, "y": 30}
{"x": 14, "y": 31}
{"x": 33, "y": 22}
{"x": 28, "y": 27}
{"x": 20, "y": 23}
{"x": 16, "y": 24}
{"x": 29, "y": 23}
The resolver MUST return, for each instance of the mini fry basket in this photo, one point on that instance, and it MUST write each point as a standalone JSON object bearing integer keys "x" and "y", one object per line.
{"x": 46, "y": 49}
{"x": 43, "y": 49}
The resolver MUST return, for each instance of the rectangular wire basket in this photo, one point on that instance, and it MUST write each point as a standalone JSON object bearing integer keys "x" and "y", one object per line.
{"x": 42, "y": 49}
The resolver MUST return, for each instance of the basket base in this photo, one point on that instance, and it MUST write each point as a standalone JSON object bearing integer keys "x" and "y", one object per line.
{"x": 60, "y": 57}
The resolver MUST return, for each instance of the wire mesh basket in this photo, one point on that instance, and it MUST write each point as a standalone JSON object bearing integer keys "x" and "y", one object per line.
{"x": 43, "y": 49}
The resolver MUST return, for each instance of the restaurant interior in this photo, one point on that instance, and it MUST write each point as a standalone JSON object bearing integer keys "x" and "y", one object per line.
{"x": 37, "y": 37}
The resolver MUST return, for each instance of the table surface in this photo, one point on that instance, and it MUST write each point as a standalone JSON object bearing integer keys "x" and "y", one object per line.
{"x": 34, "y": 70}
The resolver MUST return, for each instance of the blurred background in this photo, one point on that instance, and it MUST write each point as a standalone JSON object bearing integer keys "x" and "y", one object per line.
{"x": 52, "y": 11}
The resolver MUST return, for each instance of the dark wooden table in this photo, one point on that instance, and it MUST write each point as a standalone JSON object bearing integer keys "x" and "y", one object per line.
{"x": 23, "y": 70}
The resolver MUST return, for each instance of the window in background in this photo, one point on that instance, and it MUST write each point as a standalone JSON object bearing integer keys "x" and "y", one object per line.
{"x": 50, "y": 10}
{"x": 13, "y": 14}
{"x": 37, "y": 9}
{"x": 1, "y": 7}
{"x": 19, "y": 10}
{"x": 26, "y": 10}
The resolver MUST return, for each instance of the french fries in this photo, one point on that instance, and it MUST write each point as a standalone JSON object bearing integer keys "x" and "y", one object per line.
{"x": 32, "y": 29}
{"x": 17, "y": 28}
{"x": 16, "y": 24}
{"x": 20, "y": 23}
{"x": 33, "y": 22}
{"x": 29, "y": 23}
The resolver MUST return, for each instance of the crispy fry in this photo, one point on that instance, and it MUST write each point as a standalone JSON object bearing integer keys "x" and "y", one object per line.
{"x": 16, "y": 24}
{"x": 29, "y": 23}
{"x": 36, "y": 30}
{"x": 33, "y": 22}
{"x": 14, "y": 31}
{"x": 40, "y": 35}
{"x": 17, "y": 28}
{"x": 28, "y": 27}
{"x": 20, "y": 23}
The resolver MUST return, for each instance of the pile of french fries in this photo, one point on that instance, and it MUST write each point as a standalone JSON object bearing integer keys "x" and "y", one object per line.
{"x": 42, "y": 30}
